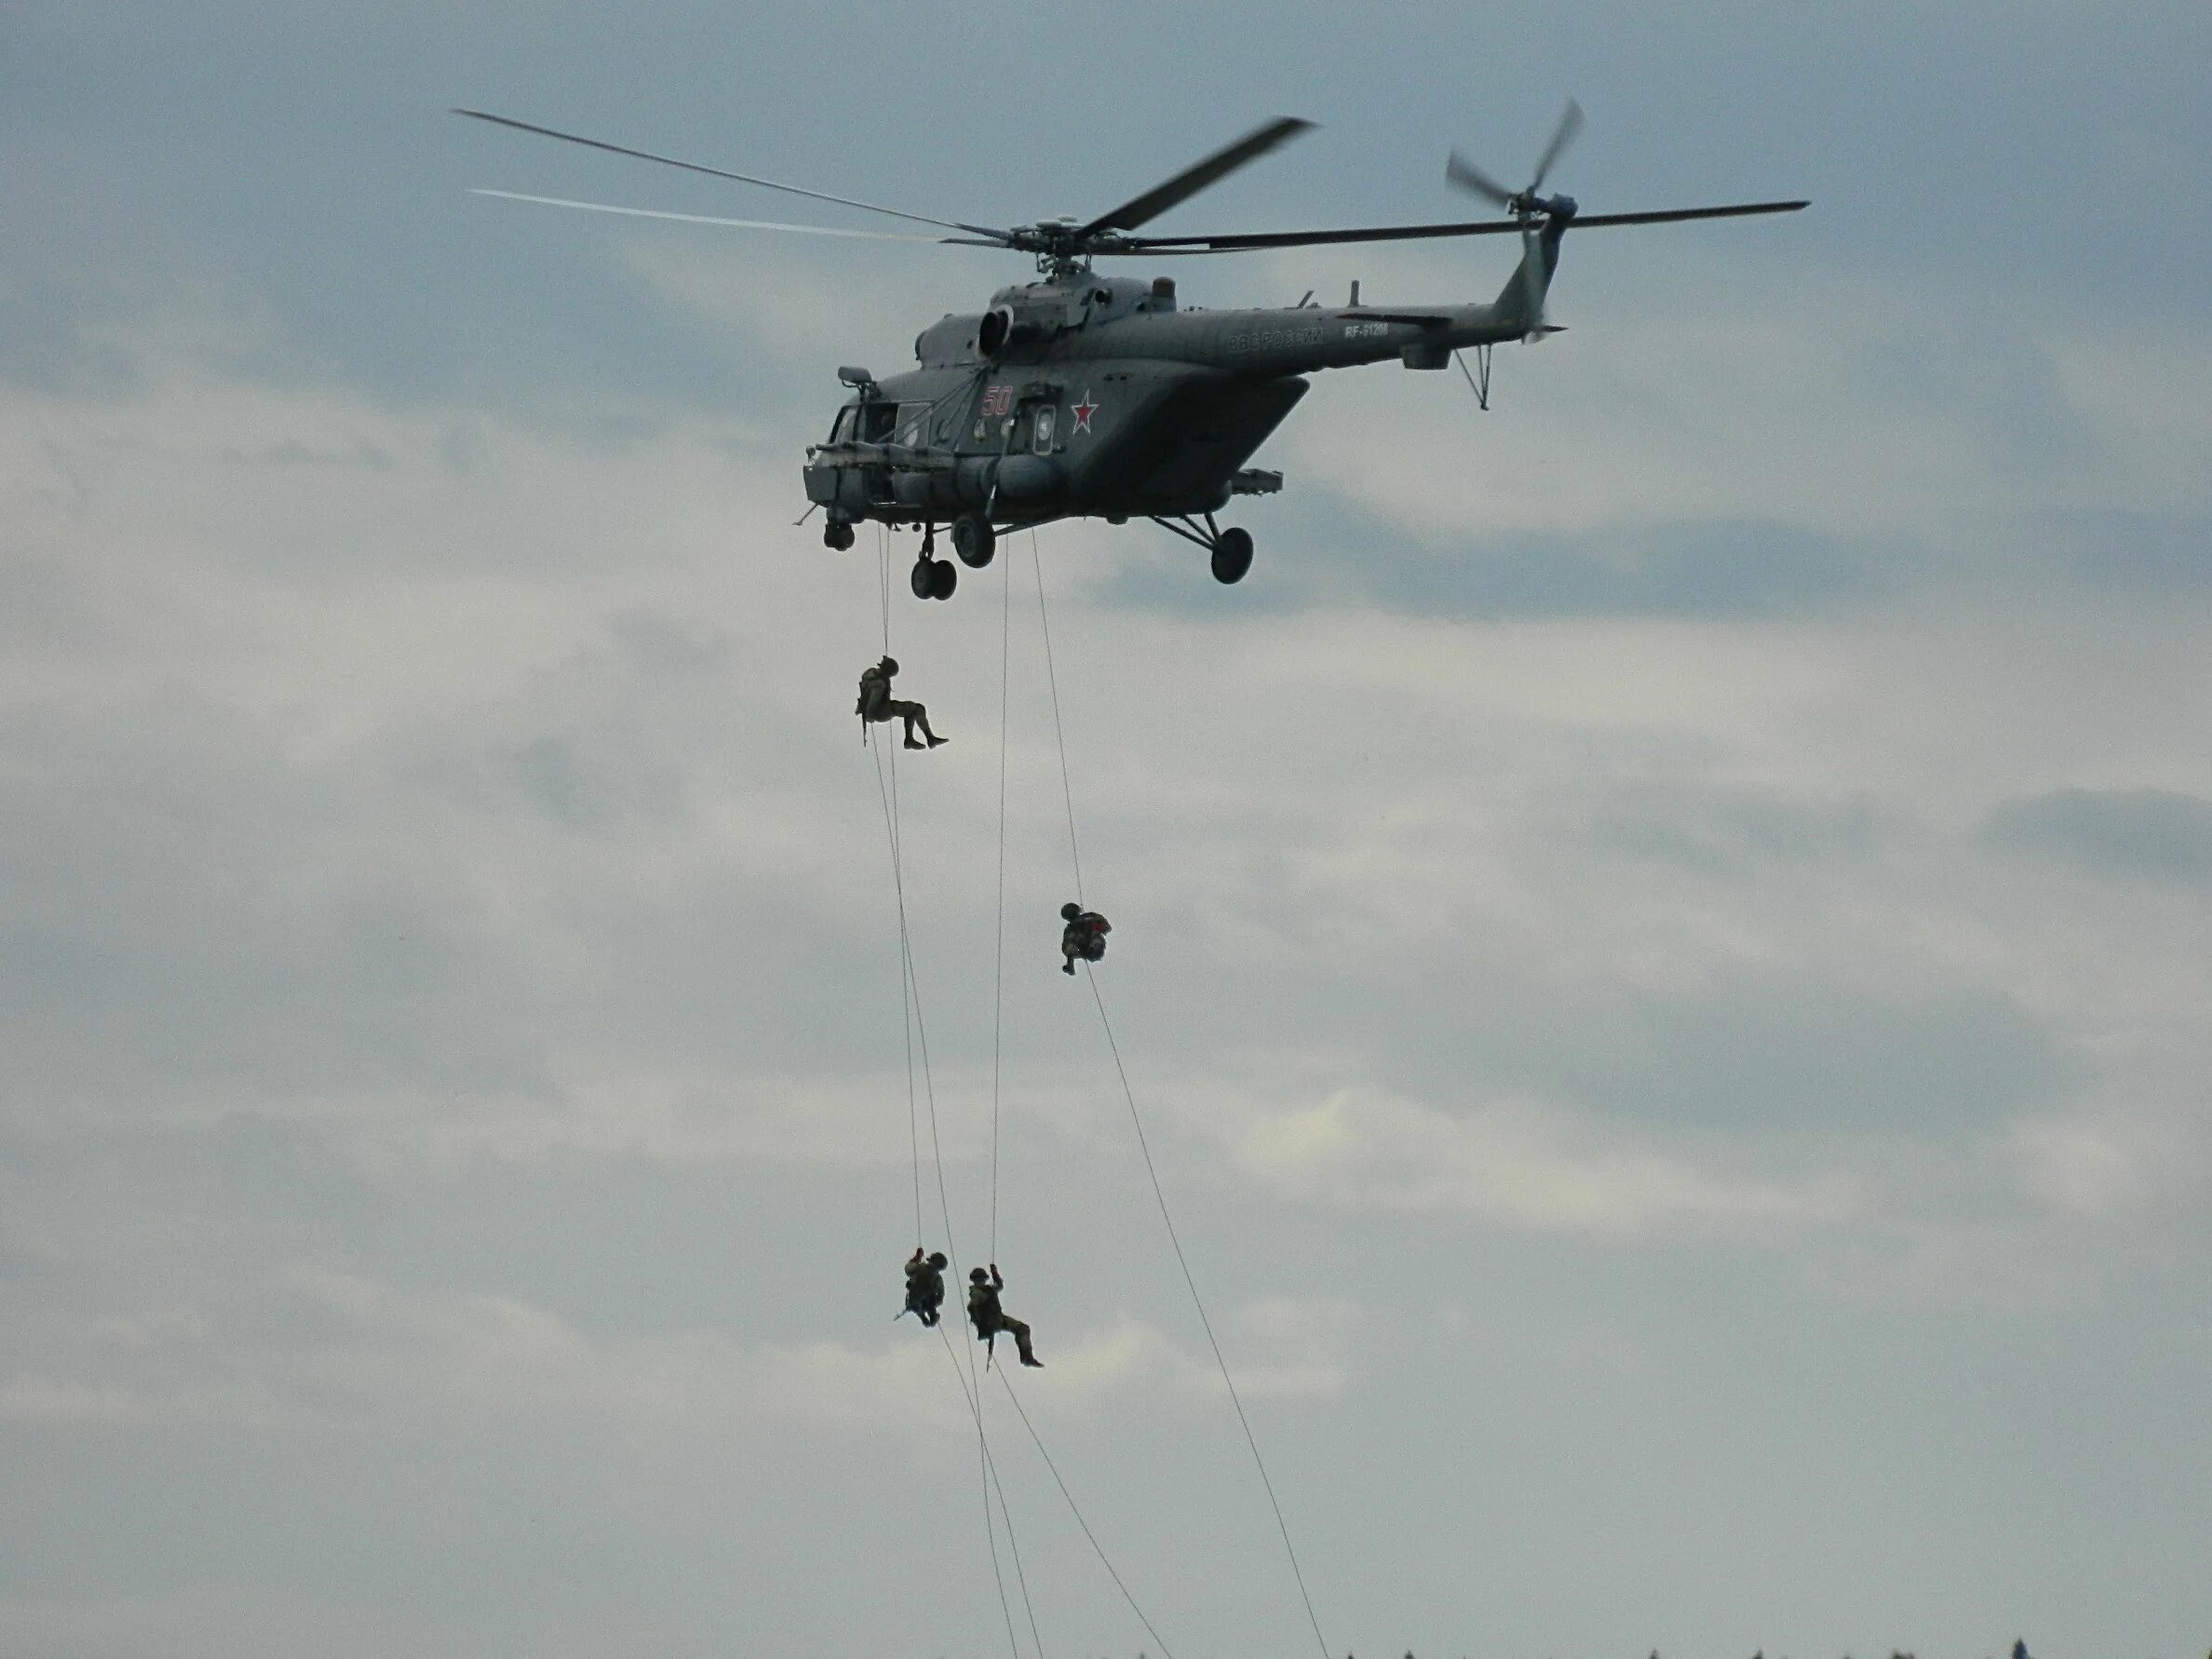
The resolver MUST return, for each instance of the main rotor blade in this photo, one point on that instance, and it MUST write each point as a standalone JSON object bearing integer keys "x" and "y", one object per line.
{"x": 1402, "y": 233}
{"x": 694, "y": 167}
{"x": 1467, "y": 176}
{"x": 809, "y": 230}
{"x": 1571, "y": 120}
{"x": 1193, "y": 179}
{"x": 1672, "y": 215}
{"x": 1383, "y": 233}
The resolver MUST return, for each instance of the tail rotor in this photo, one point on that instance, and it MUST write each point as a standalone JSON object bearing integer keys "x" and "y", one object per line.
{"x": 1542, "y": 218}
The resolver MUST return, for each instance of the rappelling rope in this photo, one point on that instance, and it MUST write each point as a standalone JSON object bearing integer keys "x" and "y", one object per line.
{"x": 911, "y": 991}
{"x": 906, "y": 996}
{"x": 913, "y": 984}
{"x": 911, "y": 996}
{"x": 1198, "y": 1303}
{"x": 974, "y": 1405}
{"x": 998, "y": 982}
{"x": 884, "y": 567}
{"x": 1078, "y": 1513}
{"x": 1067, "y": 792}
{"x": 1159, "y": 1194}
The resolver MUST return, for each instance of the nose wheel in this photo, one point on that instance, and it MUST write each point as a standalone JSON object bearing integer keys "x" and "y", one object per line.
{"x": 933, "y": 578}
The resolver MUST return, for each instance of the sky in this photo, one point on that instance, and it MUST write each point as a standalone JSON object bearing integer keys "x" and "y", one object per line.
{"x": 1660, "y": 934}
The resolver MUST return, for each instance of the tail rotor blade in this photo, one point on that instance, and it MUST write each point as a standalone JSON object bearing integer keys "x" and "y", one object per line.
{"x": 1459, "y": 170}
{"x": 1571, "y": 120}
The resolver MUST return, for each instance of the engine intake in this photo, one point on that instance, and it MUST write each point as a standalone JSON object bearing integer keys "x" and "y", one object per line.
{"x": 1005, "y": 326}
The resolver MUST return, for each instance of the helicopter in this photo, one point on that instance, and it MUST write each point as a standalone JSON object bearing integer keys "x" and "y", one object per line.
{"x": 1082, "y": 395}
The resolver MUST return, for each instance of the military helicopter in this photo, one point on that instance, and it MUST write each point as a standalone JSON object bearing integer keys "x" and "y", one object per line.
{"x": 1082, "y": 395}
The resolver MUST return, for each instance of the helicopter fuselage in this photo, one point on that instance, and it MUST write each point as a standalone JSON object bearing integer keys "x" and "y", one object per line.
{"x": 1097, "y": 396}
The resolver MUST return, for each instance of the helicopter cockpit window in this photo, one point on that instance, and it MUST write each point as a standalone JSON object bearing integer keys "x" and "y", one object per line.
{"x": 913, "y": 424}
{"x": 876, "y": 421}
{"x": 842, "y": 431}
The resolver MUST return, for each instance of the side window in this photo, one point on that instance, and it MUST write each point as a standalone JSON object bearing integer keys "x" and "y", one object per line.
{"x": 913, "y": 424}
{"x": 1048, "y": 419}
{"x": 876, "y": 421}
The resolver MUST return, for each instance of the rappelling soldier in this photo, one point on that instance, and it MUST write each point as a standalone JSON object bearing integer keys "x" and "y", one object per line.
{"x": 1084, "y": 936}
{"x": 924, "y": 1286}
{"x": 877, "y": 704}
{"x": 988, "y": 1318}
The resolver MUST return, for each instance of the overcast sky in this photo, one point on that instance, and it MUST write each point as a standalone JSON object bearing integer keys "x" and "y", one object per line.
{"x": 1660, "y": 935}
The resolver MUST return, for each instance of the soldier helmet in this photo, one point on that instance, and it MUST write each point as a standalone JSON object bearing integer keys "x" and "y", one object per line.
{"x": 1070, "y": 911}
{"x": 889, "y": 665}
{"x": 937, "y": 1258}
{"x": 977, "y": 1275}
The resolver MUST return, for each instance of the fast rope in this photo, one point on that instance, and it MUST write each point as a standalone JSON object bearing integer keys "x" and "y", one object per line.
{"x": 1159, "y": 1193}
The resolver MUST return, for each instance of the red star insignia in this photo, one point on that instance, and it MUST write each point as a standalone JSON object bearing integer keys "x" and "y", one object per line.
{"x": 1083, "y": 411}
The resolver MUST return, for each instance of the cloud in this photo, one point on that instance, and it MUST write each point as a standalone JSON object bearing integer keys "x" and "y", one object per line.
{"x": 708, "y": 1114}
{"x": 776, "y": 302}
{"x": 318, "y": 1343}
{"x": 1520, "y": 1164}
{"x": 2155, "y": 834}
{"x": 2082, "y": 1166}
{"x": 63, "y": 1403}
{"x": 1738, "y": 452}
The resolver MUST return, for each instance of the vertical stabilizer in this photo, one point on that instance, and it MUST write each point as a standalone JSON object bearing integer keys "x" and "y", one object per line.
{"x": 1521, "y": 300}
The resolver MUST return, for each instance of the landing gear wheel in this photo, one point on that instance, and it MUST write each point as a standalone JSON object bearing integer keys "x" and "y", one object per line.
{"x": 923, "y": 579}
{"x": 973, "y": 540}
{"x": 943, "y": 579}
{"x": 1231, "y": 555}
{"x": 837, "y": 535}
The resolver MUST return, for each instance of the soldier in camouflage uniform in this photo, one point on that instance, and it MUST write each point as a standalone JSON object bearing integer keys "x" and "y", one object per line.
{"x": 877, "y": 704}
{"x": 925, "y": 1285}
{"x": 989, "y": 1318}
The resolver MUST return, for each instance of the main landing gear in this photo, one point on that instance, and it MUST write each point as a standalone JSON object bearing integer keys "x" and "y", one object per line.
{"x": 1231, "y": 548}
{"x": 973, "y": 540}
{"x": 933, "y": 578}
